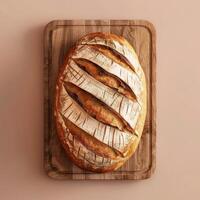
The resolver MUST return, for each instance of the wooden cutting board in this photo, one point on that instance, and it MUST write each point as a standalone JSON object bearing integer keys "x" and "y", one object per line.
{"x": 59, "y": 36}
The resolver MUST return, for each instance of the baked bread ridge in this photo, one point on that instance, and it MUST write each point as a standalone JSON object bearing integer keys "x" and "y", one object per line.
{"x": 91, "y": 151}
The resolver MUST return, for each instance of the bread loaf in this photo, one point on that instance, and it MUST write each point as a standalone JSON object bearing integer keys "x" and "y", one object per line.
{"x": 100, "y": 102}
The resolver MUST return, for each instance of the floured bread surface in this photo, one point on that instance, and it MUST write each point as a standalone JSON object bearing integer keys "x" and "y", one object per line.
{"x": 100, "y": 102}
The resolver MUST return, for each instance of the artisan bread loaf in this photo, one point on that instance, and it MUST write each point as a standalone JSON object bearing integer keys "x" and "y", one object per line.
{"x": 100, "y": 102}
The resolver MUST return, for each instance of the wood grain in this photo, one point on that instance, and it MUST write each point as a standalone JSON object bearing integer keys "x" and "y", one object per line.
{"x": 59, "y": 36}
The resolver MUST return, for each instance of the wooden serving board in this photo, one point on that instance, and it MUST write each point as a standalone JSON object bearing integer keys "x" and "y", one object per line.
{"x": 59, "y": 36}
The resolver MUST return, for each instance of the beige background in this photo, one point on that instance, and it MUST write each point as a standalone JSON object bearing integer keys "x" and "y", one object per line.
{"x": 21, "y": 97}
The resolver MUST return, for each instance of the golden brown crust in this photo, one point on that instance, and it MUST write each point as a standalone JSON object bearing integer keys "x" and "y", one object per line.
{"x": 88, "y": 141}
{"x": 109, "y": 36}
{"x": 105, "y": 78}
{"x": 79, "y": 162}
{"x": 96, "y": 108}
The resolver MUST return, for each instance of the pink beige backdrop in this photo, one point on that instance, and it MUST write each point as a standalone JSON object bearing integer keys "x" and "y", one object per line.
{"x": 178, "y": 96}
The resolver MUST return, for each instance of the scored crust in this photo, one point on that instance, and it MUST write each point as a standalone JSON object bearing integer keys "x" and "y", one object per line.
{"x": 95, "y": 151}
